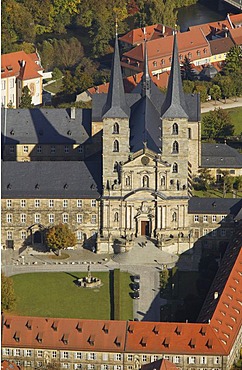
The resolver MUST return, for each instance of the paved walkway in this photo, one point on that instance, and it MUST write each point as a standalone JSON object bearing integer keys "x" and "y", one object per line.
{"x": 230, "y": 103}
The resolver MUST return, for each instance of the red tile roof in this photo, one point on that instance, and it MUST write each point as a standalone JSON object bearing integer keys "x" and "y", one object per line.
{"x": 223, "y": 304}
{"x": 138, "y": 35}
{"x": 166, "y": 337}
{"x": 130, "y": 83}
{"x": 212, "y": 27}
{"x": 236, "y": 18}
{"x": 63, "y": 333}
{"x": 236, "y": 35}
{"x": 221, "y": 45}
{"x": 7, "y": 365}
{"x": 11, "y": 65}
{"x": 192, "y": 41}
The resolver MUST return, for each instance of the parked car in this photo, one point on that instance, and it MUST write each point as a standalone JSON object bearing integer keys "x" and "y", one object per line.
{"x": 136, "y": 278}
{"x": 135, "y": 295}
{"x": 135, "y": 286}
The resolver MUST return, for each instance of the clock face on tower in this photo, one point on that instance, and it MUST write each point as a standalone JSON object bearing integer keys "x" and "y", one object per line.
{"x": 145, "y": 160}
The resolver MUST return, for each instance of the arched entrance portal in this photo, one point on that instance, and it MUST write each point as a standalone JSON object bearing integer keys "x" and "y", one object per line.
{"x": 37, "y": 237}
{"x": 145, "y": 228}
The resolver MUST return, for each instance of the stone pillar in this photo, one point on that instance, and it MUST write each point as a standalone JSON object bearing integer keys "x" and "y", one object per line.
{"x": 131, "y": 217}
{"x": 128, "y": 218}
{"x": 159, "y": 210}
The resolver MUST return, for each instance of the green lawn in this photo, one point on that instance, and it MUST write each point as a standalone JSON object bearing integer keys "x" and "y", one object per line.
{"x": 55, "y": 87}
{"x": 236, "y": 118}
{"x": 55, "y": 294}
{"x": 213, "y": 194}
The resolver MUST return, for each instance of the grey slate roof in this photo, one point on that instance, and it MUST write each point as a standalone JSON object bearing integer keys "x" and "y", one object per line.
{"x": 220, "y": 156}
{"x": 214, "y": 206}
{"x": 116, "y": 106}
{"x": 175, "y": 104}
{"x": 45, "y": 126}
{"x": 51, "y": 179}
{"x": 145, "y": 126}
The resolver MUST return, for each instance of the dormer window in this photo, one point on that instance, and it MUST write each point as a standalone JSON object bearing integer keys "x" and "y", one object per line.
{"x": 155, "y": 64}
{"x": 91, "y": 340}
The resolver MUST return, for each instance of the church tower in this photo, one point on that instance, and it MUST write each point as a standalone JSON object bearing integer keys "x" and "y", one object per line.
{"x": 115, "y": 117}
{"x": 174, "y": 129}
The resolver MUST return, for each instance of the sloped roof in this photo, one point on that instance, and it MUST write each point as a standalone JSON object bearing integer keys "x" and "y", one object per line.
{"x": 221, "y": 45}
{"x": 187, "y": 41}
{"x": 86, "y": 335}
{"x": 51, "y": 179}
{"x": 138, "y": 35}
{"x": 224, "y": 309}
{"x": 214, "y": 206}
{"x": 220, "y": 156}
{"x": 236, "y": 19}
{"x": 9, "y": 365}
{"x": 13, "y": 60}
{"x": 236, "y": 35}
{"x": 212, "y": 27}
{"x": 171, "y": 337}
{"x": 175, "y": 104}
{"x": 145, "y": 126}
{"x": 161, "y": 364}
{"x": 116, "y": 106}
{"x": 45, "y": 126}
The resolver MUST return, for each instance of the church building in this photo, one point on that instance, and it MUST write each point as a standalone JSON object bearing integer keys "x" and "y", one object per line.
{"x": 119, "y": 171}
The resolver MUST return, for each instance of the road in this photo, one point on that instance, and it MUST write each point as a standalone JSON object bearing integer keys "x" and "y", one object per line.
{"x": 230, "y": 103}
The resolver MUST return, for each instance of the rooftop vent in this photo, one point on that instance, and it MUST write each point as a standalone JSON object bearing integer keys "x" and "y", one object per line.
{"x": 203, "y": 330}
{"x": 143, "y": 341}
{"x": 16, "y": 336}
{"x": 178, "y": 330}
{"x": 131, "y": 328}
{"x": 215, "y": 295}
{"x": 156, "y": 329}
{"x": 9, "y": 68}
{"x": 8, "y": 323}
{"x": 209, "y": 343}
{"x": 166, "y": 342}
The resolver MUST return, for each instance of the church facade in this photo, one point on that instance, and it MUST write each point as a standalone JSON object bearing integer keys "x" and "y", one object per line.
{"x": 120, "y": 171}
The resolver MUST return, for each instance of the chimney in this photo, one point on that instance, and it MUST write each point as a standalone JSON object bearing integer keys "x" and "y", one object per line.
{"x": 23, "y": 63}
{"x": 73, "y": 113}
{"x": 163, "y": 29}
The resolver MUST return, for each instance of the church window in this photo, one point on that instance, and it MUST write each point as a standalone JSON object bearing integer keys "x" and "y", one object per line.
{"x": 127, "y": 181}
{"x": 163, "y": 181}
{"x": 175, "y": 147}
{"x": 175, "y": 129}
{"x": 189, "y": 133}
{"x": 116, "y": 128}
{"x": 175, "y": 168}
{"x": 116, "y": 217}
{"x": 116, "y": 146}
{"x": 145, "y": 181}
{"x": 174, "y": 216}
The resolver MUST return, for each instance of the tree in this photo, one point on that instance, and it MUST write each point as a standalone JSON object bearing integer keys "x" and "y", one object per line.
{"x": 227, "y": 182}
{"x": 205, "y": 178}
{"x": 164, "y": 278}
{"x": 8, "y": 295}
{"x": 59, "y": 237}
{"x": 233, "y": 60}
{"x": 215, "y": 92}
{"x": 26, "y": 98}
{"x": 217, "y": 123}
{"x": 56, "y": 74}
{"x": 187, "y": 70}
{"x": 202, "y": 89}
{"x": 188, "y": 86}
{"x": 238, "y": 183}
